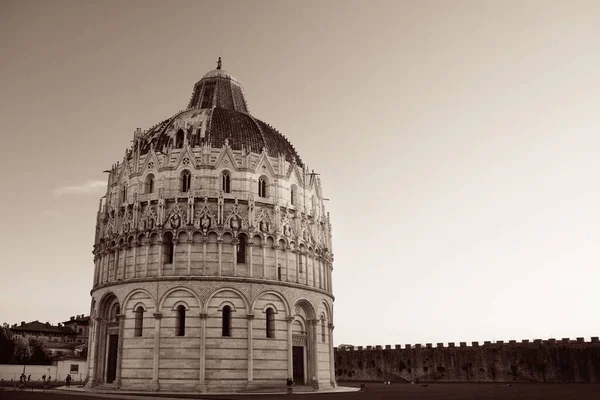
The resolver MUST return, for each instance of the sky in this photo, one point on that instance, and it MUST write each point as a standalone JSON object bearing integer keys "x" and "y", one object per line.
{"x": 457, "y": 142}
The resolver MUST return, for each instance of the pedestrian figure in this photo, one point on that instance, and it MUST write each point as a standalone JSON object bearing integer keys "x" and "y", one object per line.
{"x": 28, "y": 378}
{"x": 68, "y": 380}
{"x": 44, "y": 378}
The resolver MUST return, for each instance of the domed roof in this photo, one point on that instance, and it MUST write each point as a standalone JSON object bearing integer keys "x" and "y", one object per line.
{"x": 217, "y": 113}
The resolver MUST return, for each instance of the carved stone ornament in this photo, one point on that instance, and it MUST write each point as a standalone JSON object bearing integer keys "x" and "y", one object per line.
{"x": 204, "y": 218}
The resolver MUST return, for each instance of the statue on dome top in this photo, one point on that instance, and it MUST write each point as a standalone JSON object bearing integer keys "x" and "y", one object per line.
{"x": 219, "y": 63}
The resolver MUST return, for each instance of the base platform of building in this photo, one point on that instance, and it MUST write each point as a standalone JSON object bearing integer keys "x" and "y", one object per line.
{"x": 167, "y": 395}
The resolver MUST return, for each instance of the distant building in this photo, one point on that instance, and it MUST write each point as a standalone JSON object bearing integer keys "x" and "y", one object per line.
{"x": 40, "y": 330}
{"x": 79, "y": 324}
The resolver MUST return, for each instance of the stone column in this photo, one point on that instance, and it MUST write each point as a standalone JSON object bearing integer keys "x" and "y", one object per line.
{"x": 297, "y": 254}
{"x": 314, "y": 370}
{"x": 250, "y": 245}
{"x": 276, "y": 250}
{"x": 234, "y": 243}
{"x": 331, "y": 357}
{"x": 106, "y": 266}
{"x": 204, "y": 239}
{"x": 154, "y": 385}
{"x": 220, "y": 245}
{"x": 312, "y": 261}
{"x": 175, "y": 241}
{"x": 306, "y": 266}
{"x": 94, "y": 360}
{"x": 321, "y": 275}
{"x": 189, "y": 255}
{"x": 121, "y": 318}
{"x": 250, "y": 350}
{"x": 116, "y": 265}
{"x": 287, "y": 263}
{"x": 160, "y": 257}
{"x": 135, "y": 247}
{"x": 290, "y": 344}
{"x": 147, "y": 242}
{"x": 201, "y": 386}
{"x": 264, "y": 259}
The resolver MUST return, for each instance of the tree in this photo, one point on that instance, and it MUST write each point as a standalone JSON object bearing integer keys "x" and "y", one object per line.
{"x": 22, "y": 350}
{"x": 39, "y": 351}
{"x": 7, "y": 346}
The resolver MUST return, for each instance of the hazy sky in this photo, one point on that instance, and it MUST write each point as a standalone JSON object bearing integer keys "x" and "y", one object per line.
{"x": 457, "y": 140}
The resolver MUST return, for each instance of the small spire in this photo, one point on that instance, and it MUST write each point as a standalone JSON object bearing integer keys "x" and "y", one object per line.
{"x": 219, "y": 63}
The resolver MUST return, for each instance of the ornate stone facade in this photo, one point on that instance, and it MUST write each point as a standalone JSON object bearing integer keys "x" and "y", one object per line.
{"x": 213, "y": 259}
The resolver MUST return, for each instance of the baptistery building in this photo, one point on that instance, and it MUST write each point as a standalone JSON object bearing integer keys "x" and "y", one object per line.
{"x": 212, "y": 256}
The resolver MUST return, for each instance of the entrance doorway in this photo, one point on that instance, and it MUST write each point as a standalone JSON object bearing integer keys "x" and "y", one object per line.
{"x": 298, "y": 364}
{"x": 111, "y": 364}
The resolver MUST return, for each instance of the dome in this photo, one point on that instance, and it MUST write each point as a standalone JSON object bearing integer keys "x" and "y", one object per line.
{"x": 217, "y": 125}
{"x": 218, "y": 112}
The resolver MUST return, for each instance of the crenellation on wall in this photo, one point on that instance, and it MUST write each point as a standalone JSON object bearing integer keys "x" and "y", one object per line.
{"x": 528, "y": 360}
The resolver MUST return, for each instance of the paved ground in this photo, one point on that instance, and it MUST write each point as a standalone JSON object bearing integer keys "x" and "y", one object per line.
{"x": 377, "y": 391}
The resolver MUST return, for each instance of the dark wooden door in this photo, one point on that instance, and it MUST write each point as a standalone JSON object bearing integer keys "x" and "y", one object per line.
{"x": 298, "y": 364}
{"x": 111, "y": 366}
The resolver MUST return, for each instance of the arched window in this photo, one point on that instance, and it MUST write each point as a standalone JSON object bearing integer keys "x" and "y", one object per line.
{"x": 150, "y": 183}
{"x": 279, "y": 272}
{"x": 180, "y": 321}
{"x": 124, "y": 193}
{"x": 139, "y": 322}
{"x": 179, "y": 139}
{"x": 300, "y": 261}
{"x": 323, "y": 336}
{"x": 226, "y": 323}
{"x": 294, "y": 194}
{"x": 241, "y": 249}
{"x": 186, "y": 181}
{"x": 262, "y": 187}
{"x": 270, "y": 323}
{"x": 226, "y": 182}
{"x": 169, "y": 248}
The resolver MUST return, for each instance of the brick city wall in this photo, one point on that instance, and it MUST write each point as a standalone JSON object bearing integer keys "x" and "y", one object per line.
{"x": 538, "y": 361}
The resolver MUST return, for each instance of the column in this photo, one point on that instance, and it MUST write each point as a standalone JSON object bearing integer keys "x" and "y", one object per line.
{"x": 321, "y": 277}
{"x": 220, "y": 245}
{"x": 331, "y": 357}
{"x": 287, "y": 263}
{"x": 290, "y": 366}
{"x": 160, "y": 257}
{"x": 105, "y": 260}
{"x": 250, "y": 246}
{"x": 189, "y": 255}
{"x": 175, "y": 241}
{"x": 94, "y": 361}
{"x": 306, "y": 267}
{"x": 250, "y": 350}
{"x": 204, "y": 239}
{"x": 297, "y": 254}
{"x": 314, "y": 360}
{"x": 264, "y": 259}
{"x": 201, "y": 387}
{"x": 154, "y": 384}
{"x": 147, "y": 240}
{"x": 116, "y": 265}
{"x": 121, "y": 318}
{"x": 276, "y": 250}
{"x": 234, "y": 243}
{"x": 312, "y": 261}
{"x": 135, "y": 247}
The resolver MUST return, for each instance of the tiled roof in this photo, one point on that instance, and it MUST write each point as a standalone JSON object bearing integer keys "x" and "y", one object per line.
{"x": 219, "y": 111}
{"x": 239, "y": 128}
{"x": 37, "y": 326}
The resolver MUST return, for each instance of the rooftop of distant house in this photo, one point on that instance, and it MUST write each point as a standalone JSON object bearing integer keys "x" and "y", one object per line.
{"x": 37, "y": 326}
